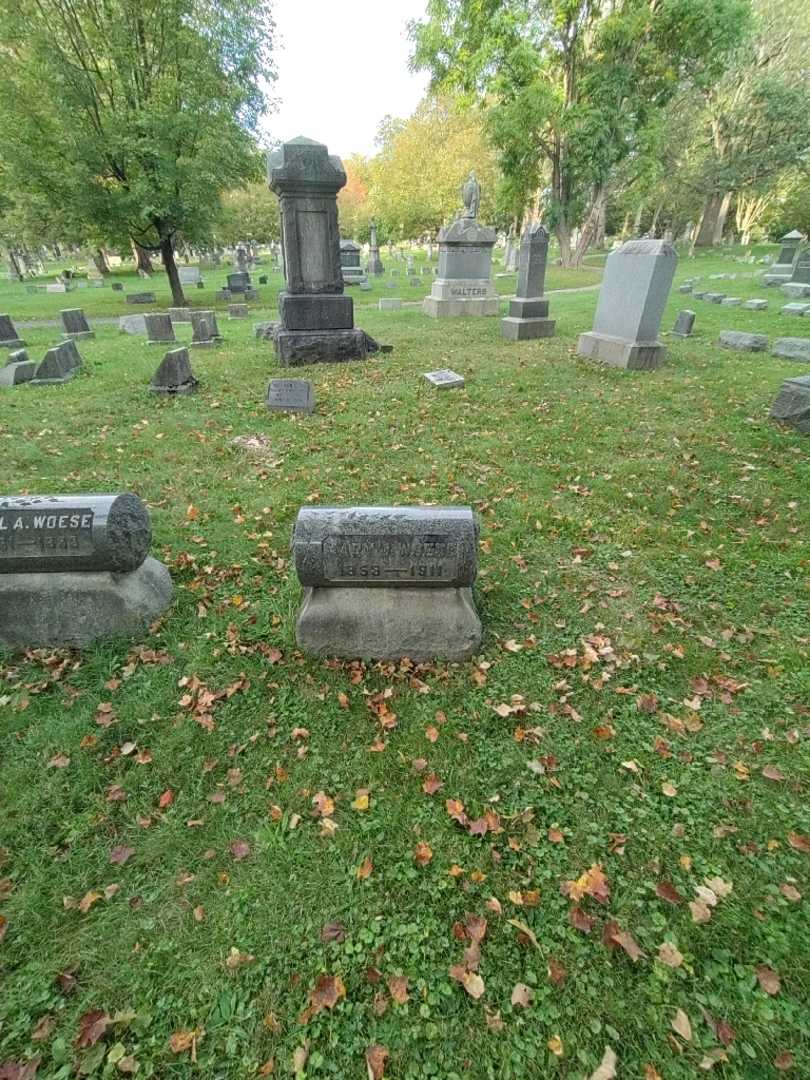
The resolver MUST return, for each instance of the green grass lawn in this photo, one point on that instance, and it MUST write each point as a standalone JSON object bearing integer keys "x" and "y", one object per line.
{"x": 641, "y": 704}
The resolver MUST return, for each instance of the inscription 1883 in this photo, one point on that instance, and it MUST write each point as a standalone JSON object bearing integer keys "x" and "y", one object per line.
{"x": 394, "y": 558}
{"x": 32, "y": 533}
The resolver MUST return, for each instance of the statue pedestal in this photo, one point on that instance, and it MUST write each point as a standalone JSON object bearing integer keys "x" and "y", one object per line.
{"x": 464, "y": 283}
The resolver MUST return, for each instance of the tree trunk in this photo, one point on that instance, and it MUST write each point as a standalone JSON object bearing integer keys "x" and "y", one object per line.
{"x": 15, "y": 271}
{"x": 626, "y": 227}
{"x": 100, "y": 262}
{"x": 142, "y": 259}
{"x": 601, "y": 226}
{"x": 722, "y": 215}
{"x": 564, "y": 240}
{"x": 704, "y": 236}
{"x": 170, "y": 266}
{"x": 637, "y": 219}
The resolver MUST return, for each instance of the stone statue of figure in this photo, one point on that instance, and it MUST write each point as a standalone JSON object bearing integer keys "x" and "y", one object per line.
{"x": 471, "y": 195}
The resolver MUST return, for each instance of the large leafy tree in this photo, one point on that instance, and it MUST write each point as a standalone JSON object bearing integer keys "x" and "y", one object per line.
{"x": 133, "y": 115}
{"x": 568, "y": 85}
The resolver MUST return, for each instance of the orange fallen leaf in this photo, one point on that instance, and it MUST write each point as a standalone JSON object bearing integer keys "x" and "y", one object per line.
{"x": 365, "y": 868}
{"x": 768, "y": 979}
{"x": 422, "y": 853}
{"x": 376, "y": 1057}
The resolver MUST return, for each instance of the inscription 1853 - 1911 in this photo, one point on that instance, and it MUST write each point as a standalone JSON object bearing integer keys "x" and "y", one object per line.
{"x": 392, "y": 559}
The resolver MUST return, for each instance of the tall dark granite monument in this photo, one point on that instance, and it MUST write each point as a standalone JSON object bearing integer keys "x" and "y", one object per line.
{"x": 316, "y": 319}
{"x": 528, "y": 313}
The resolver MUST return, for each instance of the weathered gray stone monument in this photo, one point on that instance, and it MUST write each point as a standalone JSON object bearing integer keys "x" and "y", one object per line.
{"x": 141, "y": 298}
{"x": 204, "y": 330}
{"x": 350, "y": 266}
{"x": 18, "y": 369}
{"x": 316, "y": 319}
{"x": 635, "y": 288}
{"x": 132, "y": 324}
{"x": 792, "y": 348}
{"x": 528, "y": 313}
{"x": 238, "y": 282}
{"x": 782, "y": 270}
{"x": 387, "y": 582}
{"x": 684, "y": 324}
{"x": 76, "y": 325}
{"x": 159, "y": 328}
{"x": 464, "y": 283}
{"x": 174, "y": 375}
{"x": 69, "y": 350}
{"x": 743, "y": 341}
{"x": 290, "y": 395}
{"x": 375, "y": 265}
{"x": 792, "y": 404}
{"x": 190, "y": 275}
{"x": 56, "y": 367}
{"x": 799, "y": 284}
{"x": 9, "y": 339}
{"x": 75, "y": 569}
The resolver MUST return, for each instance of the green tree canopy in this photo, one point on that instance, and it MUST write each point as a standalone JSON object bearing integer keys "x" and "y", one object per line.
{"x": 133, "y": 115}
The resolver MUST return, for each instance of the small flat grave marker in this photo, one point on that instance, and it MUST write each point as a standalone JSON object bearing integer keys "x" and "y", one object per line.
{"x": 444, "y": 379}
{"x": 290, "y": 395}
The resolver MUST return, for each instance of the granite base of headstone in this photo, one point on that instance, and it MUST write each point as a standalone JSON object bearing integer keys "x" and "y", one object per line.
{"x": 174, "y": 375}
{"x": 76, "y": 569}
{"x": 743, "y": 341}
{"x": 204, "y": 330}
{"x": 55, "y": 368}
{"x": 290, "y": 395}
{"x": 635, "y": 288}
{"x": 316, "y": 321}
{"x": 756, "y": 305}
{"x": 19, "y": 369}
{"x": 792, "y": 404}
{"x": 75, "y": 324}
{"x": 528, "y": 312}
{"x": 9, "y": 338}
{"x": 385, "y": 583}
{"x": 795, "y": 309}
{"x": 141, "y": 298}
{"x": 444, "y": 379}
{"x": 792, "y": 348}
{"x": 684, "y": 324}
{"x": 159, "y": 328}
{"x": 132, "y": 324}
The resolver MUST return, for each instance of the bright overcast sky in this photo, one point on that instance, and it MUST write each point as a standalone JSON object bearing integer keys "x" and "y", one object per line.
{"x": 342, "y": 67}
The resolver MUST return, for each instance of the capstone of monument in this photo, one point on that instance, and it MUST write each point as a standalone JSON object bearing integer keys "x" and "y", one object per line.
{"x": 684, "y": 324}
{"x": 55, "y": 368}
{"x": 634, "y": 293}
{"x": 375, "y": 265}
{"x": 9, "y": 339}
{"x": 174, "y": 375}
{"x": 75, "y": 569}
{"x": 792, "y": 404}
{"x": 351, "y": 269}
{"x": 316, "y": 321}
{"x": 799, "y": 284}
{"x": 528, "y": 312}
{"x": 782, "y": 270}
{"x": 204, "y": 330}
{"x": 159, "y": 328}
{"x": 290, "y": 395}
{"x": 464, "y": 282}
{"x": 387, "y": 582}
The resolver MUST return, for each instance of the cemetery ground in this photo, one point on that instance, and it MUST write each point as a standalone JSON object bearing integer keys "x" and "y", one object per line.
{"x": 222, "y": 859}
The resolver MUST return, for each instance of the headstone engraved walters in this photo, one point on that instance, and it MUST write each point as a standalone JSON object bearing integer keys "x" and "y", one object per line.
{"x": 290, "y": 395}
{"x": 9, "y": 338}
{"x": 799, "y": 284}
{"x": 792, "y": 404}
{"x": 528, "y": 313}
{"x": 387, "y": 582}
{"x": 204, "y": 330}
{"x": 75, "y": 324}
{"x": 316, "y": 320}
{"x": 782, "y": 270}
{"x": 634, "y": 293}
{"x": 464, "y": 283}
{"x": 159, "y": 328}
{"x": 75, "y": 569}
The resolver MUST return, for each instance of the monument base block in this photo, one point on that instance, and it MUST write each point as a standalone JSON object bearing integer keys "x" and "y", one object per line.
{"x": 516, "y": 329}
{"x": 389, "y": 623}
{"x": 295, "y": 348}
{"x": 792, "y": 405}
{"x": 14, "y": 374}
{"x": 439, "y": 308}
{"x": 211, "y": 343}
{"x": 317, "y": 311}
{"x": 616, "y": 352}
{"x": 78, "y": 335}
{"x": 60, "y": 610}
{"x": 13, "y": 343}
{"x": 778, "y": 275}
